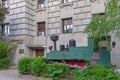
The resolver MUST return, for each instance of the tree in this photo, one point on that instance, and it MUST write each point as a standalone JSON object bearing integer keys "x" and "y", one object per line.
{"x": 3, "y": 11}
{"x": 107, "y": 24}
{"x": 6, "y": 48}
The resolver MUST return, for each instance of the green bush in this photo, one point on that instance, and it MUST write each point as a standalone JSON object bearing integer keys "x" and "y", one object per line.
{"x": 24, "y": 64}
{"x": 37, "y": 65}
{"x": 56, "y": 71}
{"x": 4, "y": 63}
{"x": 97, "y": 72}
{"x": 5, "y": 48}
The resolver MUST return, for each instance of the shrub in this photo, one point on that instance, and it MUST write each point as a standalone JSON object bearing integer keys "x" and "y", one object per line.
{"x": 97, "y": 72}
{"x": 56, "y": 71}
{"x": 67, "y": 69}
{"x": 23, "y": 65}
{"x": 37, "y": 65}
{"x": 5, "y": 48}
{"x": 4, "y": 63}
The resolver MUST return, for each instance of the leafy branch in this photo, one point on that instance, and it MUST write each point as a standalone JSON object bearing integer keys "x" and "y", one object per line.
{"x": 107, "y": 24}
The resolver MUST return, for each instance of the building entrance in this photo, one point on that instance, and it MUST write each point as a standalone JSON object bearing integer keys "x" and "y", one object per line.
{"x": 39, "y": 52}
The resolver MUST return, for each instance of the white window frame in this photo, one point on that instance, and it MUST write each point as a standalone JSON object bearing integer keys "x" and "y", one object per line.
{"x": 68, "y": 27}
{"x": 41, "y": 5}
{"x": 66, "y": 1}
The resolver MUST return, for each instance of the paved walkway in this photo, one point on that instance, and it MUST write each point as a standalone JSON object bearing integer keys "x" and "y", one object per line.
{"x": 12, "y": 75}
{"x": 117, "y": 71}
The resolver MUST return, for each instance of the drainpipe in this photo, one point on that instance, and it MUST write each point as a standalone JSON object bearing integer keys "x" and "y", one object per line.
{"x": 46, "y": 29}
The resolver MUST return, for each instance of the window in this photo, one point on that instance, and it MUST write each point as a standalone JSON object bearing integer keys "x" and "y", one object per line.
{"x": 93, "y": 0}
{"x": 5, "y": 30}
{"x": 67, "y": 26}
{"x": 66, "y": 1}
{"x": 21, "y": 51}
{"x": 5, "y": 3}
{"x": 41, "y": 28}
{"x": 41, "y": 4}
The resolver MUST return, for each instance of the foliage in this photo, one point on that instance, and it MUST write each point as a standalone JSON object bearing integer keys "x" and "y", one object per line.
{"x": 23, "y": 65}
{"x": 5, "y": 48}
{"x": 92, "y": 73}
{"x": 56, "y": 71}
{"x": 37, "y": 65}
{"x": 3, "y": 11}
{"x": 4, "y": 63}
{"x": 109, "y": 23}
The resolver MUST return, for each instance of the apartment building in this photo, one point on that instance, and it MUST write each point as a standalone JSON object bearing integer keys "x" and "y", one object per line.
{"x": 32, "y": 22}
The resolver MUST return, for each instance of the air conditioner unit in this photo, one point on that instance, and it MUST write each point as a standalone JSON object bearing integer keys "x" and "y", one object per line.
{"x": 42, "y": 5}
{"x": 41, "y": 33}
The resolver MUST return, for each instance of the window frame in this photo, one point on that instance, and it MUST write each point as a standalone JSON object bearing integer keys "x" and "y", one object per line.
{"x": 67, "y": 24}
{"x": 41, "y": 29}
{"x": 5, "y": 29}
{"x": 66, "y": 1}
{"x": 5, "y": 3}
{"x": 40, "y": 5}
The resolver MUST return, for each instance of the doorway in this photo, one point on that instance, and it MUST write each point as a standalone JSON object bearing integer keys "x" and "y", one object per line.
{"x": 39, "y": 52}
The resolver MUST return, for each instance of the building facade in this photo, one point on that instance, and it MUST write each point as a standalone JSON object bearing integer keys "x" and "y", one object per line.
{"x": 4, "y": 27}
{"x": 32, "y": 22}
